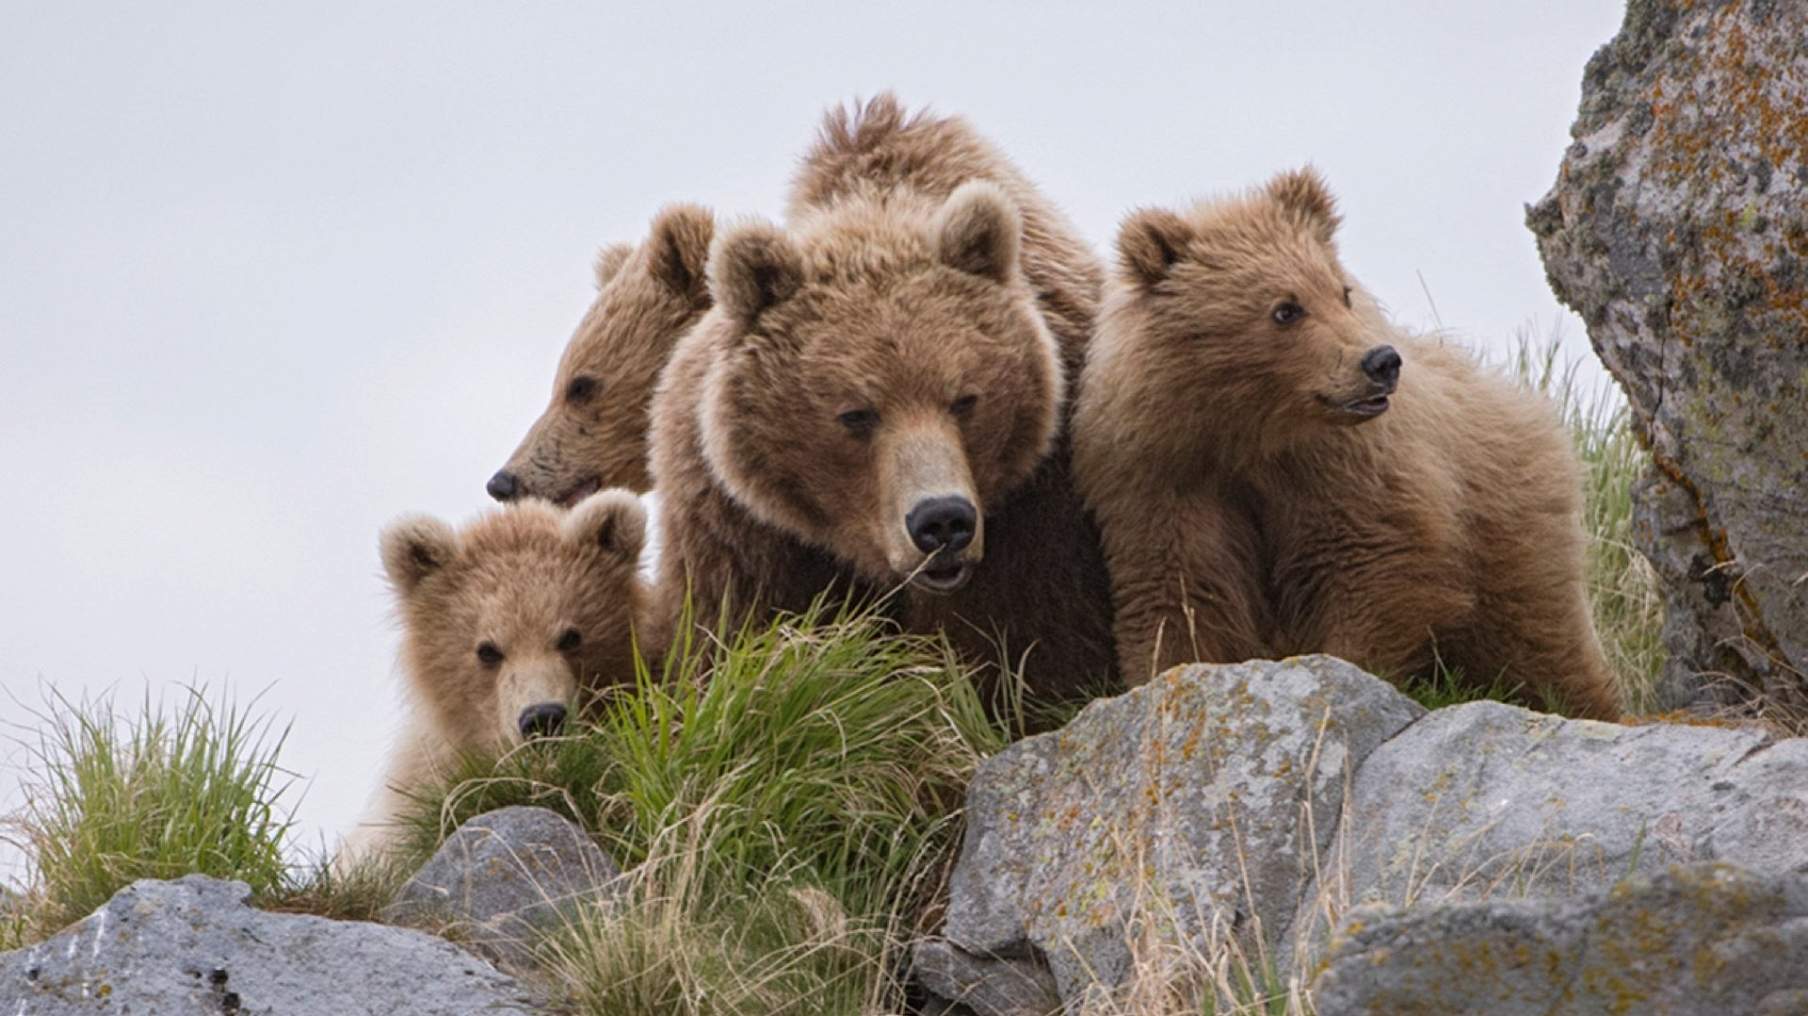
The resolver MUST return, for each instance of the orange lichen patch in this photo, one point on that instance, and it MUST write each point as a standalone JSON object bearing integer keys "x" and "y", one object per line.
{"x": 1684, "y": 718}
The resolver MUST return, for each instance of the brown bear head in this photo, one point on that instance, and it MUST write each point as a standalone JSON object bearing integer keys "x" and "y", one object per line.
{"x": 1243, "y": 311}
{"x": 594, "y": 432}
{"x": 506, "y": 623}
{"x": 881, "y": 378}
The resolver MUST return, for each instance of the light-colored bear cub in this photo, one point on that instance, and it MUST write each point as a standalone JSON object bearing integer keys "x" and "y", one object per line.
{"x": 508, "y": 626}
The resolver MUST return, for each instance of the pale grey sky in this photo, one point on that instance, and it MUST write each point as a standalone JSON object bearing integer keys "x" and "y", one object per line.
{"x": 272, "y": 275}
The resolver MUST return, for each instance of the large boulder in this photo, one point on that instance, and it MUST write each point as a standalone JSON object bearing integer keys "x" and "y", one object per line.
{"x": 1678, "y": 230}
{"x": 1699, "y": 940}
{"x": 505, "y": 878}
{"x": 1184, "y": 813}
{"x": 195, "y": 946}
{"x": 1491, "y": 800}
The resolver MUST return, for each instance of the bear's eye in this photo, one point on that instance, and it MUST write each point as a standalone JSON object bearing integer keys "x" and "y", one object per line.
{"x": 1346, "y": 296}
{"x": 963, "y": 406}
{"x": 859, "y": 422}
{"x": 1287, "y": 313}
{"x": 488, "y": 654}
{"x": 581, "y": 389}
{"x": 569, "y": 641}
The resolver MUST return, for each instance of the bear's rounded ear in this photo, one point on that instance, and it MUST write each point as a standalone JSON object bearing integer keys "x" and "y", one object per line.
{"x": 979, "y": 231}
{"x": 753, "y": 267}
{"x": 609, "y": 262}
{"x": 1150, "y": 243}
{"x": 414, "y": 547}
{"x": 1303, "y": 192}
{"x": 613, "y": 520}
{"x": 678, "y": 249}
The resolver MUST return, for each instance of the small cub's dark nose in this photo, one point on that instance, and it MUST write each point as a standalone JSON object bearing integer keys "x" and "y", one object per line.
{"x": 942, "y": 523}
{"x": 1382, "y": 365}
{"x": 542, "y": 720}
{"x": 503, "y": 486}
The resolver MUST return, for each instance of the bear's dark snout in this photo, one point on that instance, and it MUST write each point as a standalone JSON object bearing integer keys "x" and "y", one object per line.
{"x": 942, "y": 523}
{"x": 543, "y": 720}
{"x": 1382, "y": 365}
{"x": 503, "y": 486}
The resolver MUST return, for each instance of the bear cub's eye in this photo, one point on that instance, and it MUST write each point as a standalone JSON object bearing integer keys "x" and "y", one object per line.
{"x": 859, "y": 422}
{"x": 1346, "y": 296}
{"x": 581, "y": 389}
{"x": 488, "y": 654}
{"x": 570, "y": 640}
{"x": 963, "y": 406}
{"x": 1287, "y": 313}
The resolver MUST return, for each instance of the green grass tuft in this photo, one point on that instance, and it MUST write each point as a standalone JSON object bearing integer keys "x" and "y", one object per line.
{"x": 186, "y": 787}
{"x": 789, "y": 816}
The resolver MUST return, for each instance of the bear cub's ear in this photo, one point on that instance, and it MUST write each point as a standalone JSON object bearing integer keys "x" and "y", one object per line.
{"x": 1150, "y": 243}
{"x": 752, "y": 268}
{"x": 678, "y": 249}
{"x": 613, "y": 520}
{"x": 1303, "y": 192}
{"x": 979, "y": 231}
{"x": 414, "y": 547}
{"x": 609, "y": 262}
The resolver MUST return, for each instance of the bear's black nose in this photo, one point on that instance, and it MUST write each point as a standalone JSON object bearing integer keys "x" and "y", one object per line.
{"x": 543, "y": 720}
{"x": 503, "y": 486}
{"x": 1382, "y": 365}
{"x": 942, "y": 523}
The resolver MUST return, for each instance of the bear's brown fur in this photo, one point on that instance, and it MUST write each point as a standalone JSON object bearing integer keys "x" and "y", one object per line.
{"x": 522, "y": 615}
{"x": 1260, "y": 492}
{"x": 593, "y": 434}
{"x": 908, "y": 337}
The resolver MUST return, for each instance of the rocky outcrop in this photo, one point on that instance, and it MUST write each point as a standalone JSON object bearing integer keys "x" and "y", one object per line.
{"x": 194, "y": 945}
{"x": 1244, "y": 812}
{"x": 504, "y": 879}
{"x": 1180, "y": 810}
{"x": 1699, "y": 940}
{"x": 1678, "y": 230}
{"x": 1486, "y": 799}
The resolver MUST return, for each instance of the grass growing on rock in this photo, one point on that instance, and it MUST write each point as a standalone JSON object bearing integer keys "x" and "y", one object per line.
{"x": 787, "y": 799}
{"x": 189, "y": 786}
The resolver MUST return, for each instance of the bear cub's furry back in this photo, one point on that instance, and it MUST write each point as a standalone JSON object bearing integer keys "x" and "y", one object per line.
{"x": 1277, "y": 470}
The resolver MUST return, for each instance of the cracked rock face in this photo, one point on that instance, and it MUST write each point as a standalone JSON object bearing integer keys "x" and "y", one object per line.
{"x": 1695, "y": 940}
{"x": 1168, "y": 815}
{"x": 1678, "y": 230}
{"x": 194, "y": 945}
{"x": 1488, "y": 800}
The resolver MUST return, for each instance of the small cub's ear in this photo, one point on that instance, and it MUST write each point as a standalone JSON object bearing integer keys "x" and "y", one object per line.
{"x": 979, "y": 231}
{"x": 678, "y": 249}
{"x": 613, "y": 520}
{"x": 414, "y": 547}
{"x": 753, "y": 267}
{"x": 1150, "y": 243}
{"x": 609, "y": 262}
{"x": 1303, "y": 192}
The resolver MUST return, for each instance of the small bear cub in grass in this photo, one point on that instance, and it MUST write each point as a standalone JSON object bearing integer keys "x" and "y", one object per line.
{"x": 508, "y": 627}
{"x": 1276, "y": 469}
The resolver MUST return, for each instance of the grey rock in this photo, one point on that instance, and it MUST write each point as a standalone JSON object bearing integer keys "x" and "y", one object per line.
{"x": 1697, "y": 940}
{"x": 984, "y": 985}
{"x": 194, "y": 945}
{"x": 1494, "y": 799}
{"x": 1678, "y": 230}
{"x": 1171, "y": 814}
{"x": 505, "y": 878}
{"x": 1490, "y": 800}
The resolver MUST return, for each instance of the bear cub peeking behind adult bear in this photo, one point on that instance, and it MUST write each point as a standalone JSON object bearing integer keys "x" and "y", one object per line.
{"x": 1276, "y": 469}
{"x": 508, "y": 626}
